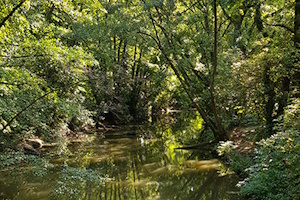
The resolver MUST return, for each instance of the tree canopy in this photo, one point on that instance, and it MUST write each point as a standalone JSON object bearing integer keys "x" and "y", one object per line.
{"x": 116, "y": 59}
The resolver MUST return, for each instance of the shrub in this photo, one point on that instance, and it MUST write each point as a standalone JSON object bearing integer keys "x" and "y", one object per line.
{"x": 276, "y": 172}
{"x": 239, "y": 163}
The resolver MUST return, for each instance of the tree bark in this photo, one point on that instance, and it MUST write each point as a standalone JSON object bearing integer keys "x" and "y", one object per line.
{"x": 296, "y": 77}
{"x": 221, "y": 132}
{"x": 297, "y": 25}
{"x": 269, "y": 96}
{"x": 257, "y": 17}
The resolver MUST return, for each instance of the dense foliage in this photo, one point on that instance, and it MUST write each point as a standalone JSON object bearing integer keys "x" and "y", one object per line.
{"x": 231, "y": 59}
{"x": 275, "y": 174}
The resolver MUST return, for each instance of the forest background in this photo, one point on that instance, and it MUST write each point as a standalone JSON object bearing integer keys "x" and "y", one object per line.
{"x": 67, "y": 65}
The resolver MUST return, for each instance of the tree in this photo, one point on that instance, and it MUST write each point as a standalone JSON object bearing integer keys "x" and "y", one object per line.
{"x": 179, "y": 51}
{"x": 42, "y": 80}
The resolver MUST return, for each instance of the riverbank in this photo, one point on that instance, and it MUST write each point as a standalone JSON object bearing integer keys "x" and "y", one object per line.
{"x": 268, "y": 168}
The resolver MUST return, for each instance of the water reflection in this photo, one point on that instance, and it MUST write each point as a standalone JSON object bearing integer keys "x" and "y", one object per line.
{"x": 123, "y": 168}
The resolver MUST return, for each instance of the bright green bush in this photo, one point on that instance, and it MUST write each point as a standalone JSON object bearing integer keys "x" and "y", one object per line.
{"x": 276, "y": 172}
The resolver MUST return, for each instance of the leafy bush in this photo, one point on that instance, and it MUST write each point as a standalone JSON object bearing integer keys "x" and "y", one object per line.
{"x": 276, "y": 172}
{"x": 237, "y": 162}
{"x": 225, "y": 148}
{"x": 14, "y": 158}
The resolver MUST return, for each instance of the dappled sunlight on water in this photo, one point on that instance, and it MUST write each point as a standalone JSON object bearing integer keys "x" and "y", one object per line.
{"x": 122, "y": 168}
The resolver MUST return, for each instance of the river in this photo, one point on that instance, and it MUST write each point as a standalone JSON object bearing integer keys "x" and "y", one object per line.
{"x": 121, "y": 167}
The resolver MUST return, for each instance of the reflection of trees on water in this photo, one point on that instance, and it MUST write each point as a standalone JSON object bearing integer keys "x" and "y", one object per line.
{"x": 122, "y": 169}
{"x": 132, "y": 180}
{"x": 206, "y": 185}
{"x": 128, "y": 182}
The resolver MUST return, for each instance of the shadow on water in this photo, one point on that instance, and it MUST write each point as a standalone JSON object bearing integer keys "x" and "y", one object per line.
{"x": 122, "y": 168}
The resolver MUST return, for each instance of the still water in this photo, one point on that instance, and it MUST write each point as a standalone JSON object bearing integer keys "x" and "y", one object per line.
{"x": 121, "y": 167}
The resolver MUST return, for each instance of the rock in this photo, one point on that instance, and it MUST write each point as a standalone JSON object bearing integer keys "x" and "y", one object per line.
{"x": 28, "y": 149}
{"x": 100, "y": 126}
{"x": 35, "y": 143}
{"x": 45, "y": 145}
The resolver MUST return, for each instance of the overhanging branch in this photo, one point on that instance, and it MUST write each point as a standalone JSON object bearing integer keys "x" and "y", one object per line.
{"x": 23, "y": 56}
{"x": 281, "y": 26}
{"x": 25, "y": 108}
{"x": 11, "y": 13}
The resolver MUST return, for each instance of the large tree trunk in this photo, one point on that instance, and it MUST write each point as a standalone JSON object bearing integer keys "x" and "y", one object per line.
{"x": 297, "y": 25}
{"x": 296, "y": 77}
{"x": 269, "y": 96}
{"x": 183, "y": 75}
{"x": 220, "y": 135}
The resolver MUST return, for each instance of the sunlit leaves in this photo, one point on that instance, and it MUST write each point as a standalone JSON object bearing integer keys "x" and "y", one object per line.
{"x": 34, "y": 61}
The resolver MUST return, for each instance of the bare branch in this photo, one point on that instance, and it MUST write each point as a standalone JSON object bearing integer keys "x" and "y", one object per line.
{"x": 189, "y": 8}
{"x": 143, "y": 33}
{"x": 225, "y": 13}
{"x": 226, "y": 29}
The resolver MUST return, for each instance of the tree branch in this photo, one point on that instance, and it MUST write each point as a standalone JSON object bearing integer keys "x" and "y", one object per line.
{"x": 11, "y": 13}
{"x": 23, "y": 56}
{"x": 153, "y": 38}
{"x": 225, "y": 13}
{"x": 13, "y": 84}
{"x": 189, "y": 8}
{"x": 25, "y": 108}
{"x": 226, "y": 29}
{"x": 282, "y": 26}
